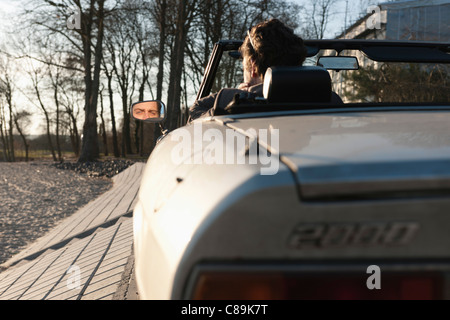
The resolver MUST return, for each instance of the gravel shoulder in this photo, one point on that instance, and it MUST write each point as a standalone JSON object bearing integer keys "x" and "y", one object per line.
{"x": 36, "y": 196}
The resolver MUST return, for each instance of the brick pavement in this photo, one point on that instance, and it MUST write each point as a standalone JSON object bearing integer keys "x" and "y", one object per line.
{"x": 86, "y": 257}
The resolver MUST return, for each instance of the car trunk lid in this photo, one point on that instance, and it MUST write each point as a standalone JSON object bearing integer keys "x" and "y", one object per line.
{"x": 362, "y": 154}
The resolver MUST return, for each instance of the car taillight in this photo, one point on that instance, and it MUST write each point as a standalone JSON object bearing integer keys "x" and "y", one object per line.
{"x": 316, "y": 286}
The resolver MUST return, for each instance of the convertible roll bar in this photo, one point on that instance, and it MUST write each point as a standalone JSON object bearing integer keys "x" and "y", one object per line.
{"x": 387, "y": 50}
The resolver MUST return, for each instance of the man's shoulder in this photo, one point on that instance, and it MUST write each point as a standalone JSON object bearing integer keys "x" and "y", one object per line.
{"x": 214, "y": 103}
{"x": 227, "y": 95}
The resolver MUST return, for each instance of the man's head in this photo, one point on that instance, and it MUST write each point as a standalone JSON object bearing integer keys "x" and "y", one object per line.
{"x": 146, "y": 110}
{"x": 271, "y": 43}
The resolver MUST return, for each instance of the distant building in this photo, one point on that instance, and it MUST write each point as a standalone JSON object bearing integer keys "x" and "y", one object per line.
{"x": 420, "y": 20}
{"x": 413, "y": 20}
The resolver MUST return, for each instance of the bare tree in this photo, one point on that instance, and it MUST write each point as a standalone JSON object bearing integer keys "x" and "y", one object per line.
{"x": 145, "y": 37}
{"x": 95, "y": 16}
{"x": 103, "y": 125}
{"x": 36, "y": 74}
{"x": 18, "y": 118}
{"x": 70, "y": 122}
{"x": 163, "y": 20}
{"x": 55, "y": 75}
{"x": 119, "y": 46}
{"x": 109, "y": 75}
{"x": 85, "y": 41}
{"x": 6, "y": 90}
{"x": 4, "y": 133}
{"x": 71, "y": 97}
{"x": 160, "y": 17}
{"x": 185, "y": 13}
{"x": 317, "y": 17}
{"x": 120, "y": 43}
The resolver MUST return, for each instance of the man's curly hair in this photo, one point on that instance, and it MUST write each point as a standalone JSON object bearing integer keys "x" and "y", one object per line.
{"x": 273, "y": 44}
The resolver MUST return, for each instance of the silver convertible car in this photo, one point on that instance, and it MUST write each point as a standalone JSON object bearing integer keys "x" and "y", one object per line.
{"x": 293, "y": 196}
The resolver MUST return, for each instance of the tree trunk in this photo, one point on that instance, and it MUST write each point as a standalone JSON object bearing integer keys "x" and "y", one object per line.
{"x": 126, "y": 133}
{"x": 47, "y": 117}
{"x": 74, "y": 136}
{"x": 55, "y": 96}
{"x": 103, "y": 126}
{"x": 160, "y": 75}
{"x": 25, "y": 142}
{"x": 7, "y": 92}
{"x": 176, "y": 66}
{"x": 11, "y": 134}
{"x": 113, "y": 118}
{"x": 49, "y": 136}
{"x": 162, "y": 42}
{"x": 4, "y": 135}
{"x": 89, "y": 149}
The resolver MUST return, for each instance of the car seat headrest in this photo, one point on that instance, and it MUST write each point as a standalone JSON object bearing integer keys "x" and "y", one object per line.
{"x": 300, "y": 84}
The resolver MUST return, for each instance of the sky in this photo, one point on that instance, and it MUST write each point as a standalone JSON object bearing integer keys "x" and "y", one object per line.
{"x": 337, "y": 21}
{"x": 7, "y": 9}
{"x": 343, "y": 14}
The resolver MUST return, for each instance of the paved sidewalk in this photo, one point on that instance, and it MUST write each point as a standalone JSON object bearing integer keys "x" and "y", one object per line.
{"x": 86, "y": 257}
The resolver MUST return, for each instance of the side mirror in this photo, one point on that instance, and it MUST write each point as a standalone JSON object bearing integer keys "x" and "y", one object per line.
{"x": 153, "y": 111}
{"x": 338, "y": 63}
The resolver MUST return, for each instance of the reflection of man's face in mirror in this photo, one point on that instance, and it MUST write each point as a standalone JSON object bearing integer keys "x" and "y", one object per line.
{"x": 146, "y": 110}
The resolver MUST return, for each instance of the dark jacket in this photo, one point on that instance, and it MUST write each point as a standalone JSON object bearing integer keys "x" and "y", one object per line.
{"x": 215, "y": 103}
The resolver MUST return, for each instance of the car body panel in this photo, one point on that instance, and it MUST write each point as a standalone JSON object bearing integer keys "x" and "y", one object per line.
{"x": 364, "y": 152}
{"x": 210, "y": 215}
{"x": 170, "y": 210}
{"x": 353, "y": 186}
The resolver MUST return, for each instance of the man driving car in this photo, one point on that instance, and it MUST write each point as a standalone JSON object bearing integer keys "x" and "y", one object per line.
{"x": 269, "y": 43}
